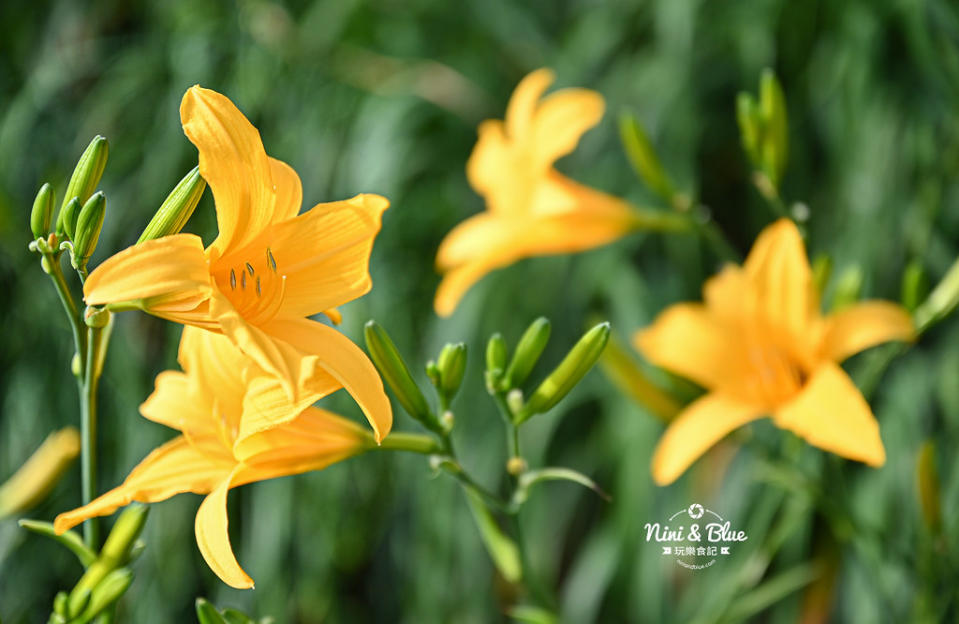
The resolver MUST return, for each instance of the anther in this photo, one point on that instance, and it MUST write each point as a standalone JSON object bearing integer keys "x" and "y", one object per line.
{"x": 232, "y": 279}
{"x": 258, "y": 291}
{"x": 249, "y": 268}
{"x": 270, "y": 260}
{"x": 243, "y": 280}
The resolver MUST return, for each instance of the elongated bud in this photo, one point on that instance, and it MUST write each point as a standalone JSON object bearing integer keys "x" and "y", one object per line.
{"x": 115, "y": 552}
{"x": 569, "y": 372}
{"x": 107, "y": 591}
{"x": 35, "y": 478}
{"x": 60, "y": 604}
{"x": 67, "y": 220}
{"x": 452, "y": 366}
{"x": 397, "y": 375}
{"x": 772, "y": 105}
{"x": 42, "y": 214}
{"x": 941, "y": 301}
{"x": 206, "y": 613}
{"x": 530, "y": 347}
{"x": 496, "y": 353}
{"x": 89, "y": 224}
{"x": 927, "y": 480}
{"x": 433, "y": 372}
{"x": 643, "y": 157}
{"x": 848, "y": 288}
{"x": 915, "y": 286}
{"x": 821, "y": 272}
{"x": 86, "y": 176}
{"x": 750, "y": 126}
{"x": 177, "y": 208}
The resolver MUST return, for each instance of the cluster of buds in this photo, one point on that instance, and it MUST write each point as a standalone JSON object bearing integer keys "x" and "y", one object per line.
{"x": 764, "y": 128}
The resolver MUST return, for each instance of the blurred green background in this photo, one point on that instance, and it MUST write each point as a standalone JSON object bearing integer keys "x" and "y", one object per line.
{"x": 385, "y": 97}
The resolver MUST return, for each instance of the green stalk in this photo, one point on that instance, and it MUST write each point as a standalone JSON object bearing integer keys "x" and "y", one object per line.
{"x": 88, "y": 431}
{"x": 412, "y": 442}
{"x": 51, "y": 263}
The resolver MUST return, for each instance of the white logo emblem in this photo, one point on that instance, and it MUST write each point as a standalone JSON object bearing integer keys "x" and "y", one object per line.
{"x": 691, "y": 544}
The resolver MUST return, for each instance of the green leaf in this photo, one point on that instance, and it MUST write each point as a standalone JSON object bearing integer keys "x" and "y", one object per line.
{"x": 642, "y": 156}
{"x": 532, "y": 615}
{"x": 533, "y": 477}
{"x": 206, "y": 613}
{"x": 502, "y": 549}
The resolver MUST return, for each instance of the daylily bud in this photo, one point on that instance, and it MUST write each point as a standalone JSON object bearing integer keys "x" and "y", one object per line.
{"x": 514, "y": 400}
{"x": 115, "y": 552}
{"x": 40, "y": 473}
{"x": 206, "y": 613}
{"x": 495, "y": 361}
{"x": 96, "y": 317}
{"x": 451, "y": 365}
{"x": 915, "y": 286}
{"x": 772, "y": 105}
{"x": 60, "y": 604}
{"x": 177, "y": 208}
{"x": 87, "y": 173}
{"x": 750, "y": 128}
{"x": 848, "y": 288}
{"x": 433, "y": 372}
{"x": 67, "y": 220}
{"x": 941, "y": 301}
{"x": 821, "y": 272}
{"x": 106, "y": 593}
{"x": 397, "y": 375}
{"x": 447, "y": 420}
{"x": 89, "y": 224}
{"x": 42, "y": 214}
{"x": 643, "y": 157}
{"x": 527, "y": 353}
{"x": 516, "y": 466}
{"x": 573, "y": 367}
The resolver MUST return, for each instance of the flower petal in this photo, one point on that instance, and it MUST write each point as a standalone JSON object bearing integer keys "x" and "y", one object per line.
{"x": 457, "y": 281}
{"x": 697, "y": 428}
{"x": 561, "y": 119}
{"x": 477, "y": 236}
{"x": 831, "y": 413}
{"x": 176, "y": 403}
{"x": 213, "y": 537}
{"x": 500, "y": 171}
{"x": 778, "y": 266}
{"x": 180, "y": 465}
{"x": 266, "y": 404}
{"x": 524, "y": 101}
{"x": 335, "y": 354}
{"x": 686, "y": 339}
{"x": 864, "y": 325}
{"x": 315, "y": 439}
{"x": 234, "y": 164}
{"x": 288, "y": 188}
{"x": 216, "y": 368}
{"x": 325, "y": 254}
{"x": 172, "y": 268}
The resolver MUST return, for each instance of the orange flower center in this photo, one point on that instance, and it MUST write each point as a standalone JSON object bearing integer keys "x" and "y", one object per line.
{"x": 253, "y": 286}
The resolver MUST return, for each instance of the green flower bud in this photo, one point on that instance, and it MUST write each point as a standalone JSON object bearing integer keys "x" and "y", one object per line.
{"x": 115, "y": 552}
{"x": 433, "y": 372}
{"x": 821, "y": 271}
{"x": 569, "y": 372}
{"x": 86, "y": 176}
{"x": 106, "y": 593}
{"x": 848, "y": 288}
{"x": 915, "y": 285}
{"x": 750, "y": 129}
{"x": 42, "y": 214}
{"x": 452, "y": 366}
{"x": 206, "y": 613}
{"x": 643, "y": 157}
{"x": 76, "y": 605}
{"x": 177, "y": 208}
{"x": 397, "y": 375}
{"x": 530, "y": 347}
{"x": 772, "y": 105}
{"x": 89, "y": 224}
{"x": 60, "y": 604}
{"x": 67, "y": 220}
{"x": 941, "y": 301}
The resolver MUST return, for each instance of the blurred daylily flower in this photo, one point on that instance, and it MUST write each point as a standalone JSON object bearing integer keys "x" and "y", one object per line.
{"x": 268, "y": 268}
{"x": 760, "y": 345}
{"x": 532, "y": 210}
{"x": 226, "y": 409}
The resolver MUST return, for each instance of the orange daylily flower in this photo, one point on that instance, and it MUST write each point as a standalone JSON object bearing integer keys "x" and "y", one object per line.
{"x": 532, "y": 210}
{"x": 760, "y": 345}
{"x": 268, "y": 269}
{"x": 224, "y": 405}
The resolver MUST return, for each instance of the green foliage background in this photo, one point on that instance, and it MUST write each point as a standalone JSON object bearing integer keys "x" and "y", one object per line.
{"x": 385, "y": 97}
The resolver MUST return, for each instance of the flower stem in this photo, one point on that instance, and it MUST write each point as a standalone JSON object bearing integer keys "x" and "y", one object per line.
{"x": 88, "y": 431}
{"x": 51, "y": 264}
{"x": 412, "y": 442}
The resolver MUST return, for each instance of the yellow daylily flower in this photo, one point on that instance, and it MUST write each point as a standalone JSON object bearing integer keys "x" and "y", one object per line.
{"x": 760, "y": 345}
{"x": 532, "y": 210}
{"x": 224, "y": 405}
{"x": 268, "y": 269}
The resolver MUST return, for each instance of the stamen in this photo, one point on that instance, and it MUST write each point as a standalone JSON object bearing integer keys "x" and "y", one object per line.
{"x": 249, "y": 268}
{"x": 243, "y": 280}
{"x": 270, "y": 260}
{"x": 232, "y": 279}
{"x": 258, "y": 291}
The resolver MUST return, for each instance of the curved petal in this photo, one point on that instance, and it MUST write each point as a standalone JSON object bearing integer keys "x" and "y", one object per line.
{"x": 234, "y": 164}
{"x": 687, "y": 340}
{"x": 864, "y": 325}
{"x": 778, "y": 266}
{"x": 176, "y": 404}
{"x": 325, "y": 254}
{"x": 313, "y": 440}
{"x": 266, "y": 404}
{"x": 216, "y": 368}
{"x": 213, "y": 537}
{"x": 335, "y": 354}
{"x": 697, "y": 428}
{"x": 560, "y": 121}
{"x": 288, "y": 188}
{"x": 475, "y": 237}
{"x": 500, "y": 171}
{"x": 831, "y": 413}
{"x": 457, "y": 281}
{"x": 172, "y": 268}
{"x": 524, "y": 102}
{"x": 180, "y": 465}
